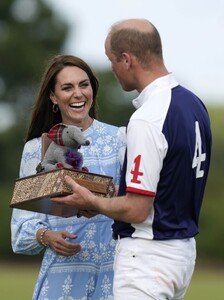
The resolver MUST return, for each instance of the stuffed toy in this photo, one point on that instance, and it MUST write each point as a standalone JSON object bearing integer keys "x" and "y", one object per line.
{"x": 63, "y": 150}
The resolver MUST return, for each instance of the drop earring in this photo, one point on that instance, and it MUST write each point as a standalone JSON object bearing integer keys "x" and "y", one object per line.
{"x": 55, "y": 108}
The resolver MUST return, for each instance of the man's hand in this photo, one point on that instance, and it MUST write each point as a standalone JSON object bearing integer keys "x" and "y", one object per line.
{"x": 81, "y": 197}
{"x": 130, "y": 208}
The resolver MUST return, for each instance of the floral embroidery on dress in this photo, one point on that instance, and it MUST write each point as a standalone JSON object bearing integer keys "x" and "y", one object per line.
{"x": 106, "y": 286}
{"x": 44, "y": 291}
{"x": 90, "y": 285}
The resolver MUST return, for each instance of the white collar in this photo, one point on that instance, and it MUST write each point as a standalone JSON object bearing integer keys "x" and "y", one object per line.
{"x": 158, "y": 84}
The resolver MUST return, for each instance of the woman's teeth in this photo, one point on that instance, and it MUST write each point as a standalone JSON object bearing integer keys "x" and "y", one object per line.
{"x": 77, "y": 105}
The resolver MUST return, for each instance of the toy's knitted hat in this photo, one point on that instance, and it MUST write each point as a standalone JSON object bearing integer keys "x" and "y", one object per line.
{"x": 55, "y": 133}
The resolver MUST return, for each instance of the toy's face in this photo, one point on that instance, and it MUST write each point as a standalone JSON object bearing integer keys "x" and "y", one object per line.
{"x": 67, "y": 135}
{"x": 74, "y": 96}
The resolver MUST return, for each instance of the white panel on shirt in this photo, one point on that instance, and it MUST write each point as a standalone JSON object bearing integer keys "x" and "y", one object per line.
{"x": 145, "y": 138}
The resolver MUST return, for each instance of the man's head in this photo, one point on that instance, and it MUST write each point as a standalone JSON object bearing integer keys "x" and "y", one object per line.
{"x": 133, "y": 43}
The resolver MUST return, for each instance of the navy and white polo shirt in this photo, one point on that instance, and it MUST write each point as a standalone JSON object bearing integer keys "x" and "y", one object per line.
{"x": 168, "y": 156}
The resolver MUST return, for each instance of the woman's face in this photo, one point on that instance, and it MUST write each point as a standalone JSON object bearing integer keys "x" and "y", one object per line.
{"x": 74, "y": 96}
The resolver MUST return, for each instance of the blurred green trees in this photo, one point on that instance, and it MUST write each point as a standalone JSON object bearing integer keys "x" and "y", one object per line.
{"x": 29, "y": 34}
{"x": 211, "y": 237}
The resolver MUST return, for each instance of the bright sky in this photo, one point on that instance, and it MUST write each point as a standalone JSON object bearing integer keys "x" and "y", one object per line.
{"x": 191, "y": 30}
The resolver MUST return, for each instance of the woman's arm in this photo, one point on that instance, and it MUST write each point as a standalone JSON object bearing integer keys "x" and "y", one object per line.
{"x": 25, "y": 224}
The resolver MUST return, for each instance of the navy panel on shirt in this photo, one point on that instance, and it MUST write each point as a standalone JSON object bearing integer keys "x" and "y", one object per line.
{"x": 180, "y": 193}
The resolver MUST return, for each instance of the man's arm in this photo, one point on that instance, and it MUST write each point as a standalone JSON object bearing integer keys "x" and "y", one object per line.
{"x": 131, "y": 208}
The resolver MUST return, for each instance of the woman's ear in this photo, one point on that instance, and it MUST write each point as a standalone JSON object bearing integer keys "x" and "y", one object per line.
{"x": 52, "y": 97}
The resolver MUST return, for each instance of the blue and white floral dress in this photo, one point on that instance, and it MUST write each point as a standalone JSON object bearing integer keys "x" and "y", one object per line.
{"x": 87, "y": 275}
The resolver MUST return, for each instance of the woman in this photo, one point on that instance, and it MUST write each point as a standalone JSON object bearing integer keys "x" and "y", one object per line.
{"x": 78, "y": 258}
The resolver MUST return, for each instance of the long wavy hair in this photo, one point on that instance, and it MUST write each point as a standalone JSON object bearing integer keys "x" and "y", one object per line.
{"x": 43, "y": 117}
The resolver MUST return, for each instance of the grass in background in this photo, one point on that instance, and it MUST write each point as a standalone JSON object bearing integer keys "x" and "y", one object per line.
{"x": 206, "y": 284}
{"x": 17, "y": 281}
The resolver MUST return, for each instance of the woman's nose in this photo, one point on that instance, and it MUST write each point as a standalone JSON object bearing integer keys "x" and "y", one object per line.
{"x": 77, "y": 92}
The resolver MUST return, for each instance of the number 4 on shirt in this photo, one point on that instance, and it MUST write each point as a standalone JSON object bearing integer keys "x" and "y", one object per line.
{"x": 135, "y": 171}
{"x": 199, "y": 157}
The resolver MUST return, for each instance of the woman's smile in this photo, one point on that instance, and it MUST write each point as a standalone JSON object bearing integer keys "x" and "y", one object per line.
{"x": 77, "y": 105}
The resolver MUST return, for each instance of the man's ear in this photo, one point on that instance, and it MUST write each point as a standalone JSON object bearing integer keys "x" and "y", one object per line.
{"x": 126, "y": 59}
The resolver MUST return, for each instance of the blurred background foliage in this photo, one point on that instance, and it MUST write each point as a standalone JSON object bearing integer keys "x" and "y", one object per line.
{"x": 30, "y": 33}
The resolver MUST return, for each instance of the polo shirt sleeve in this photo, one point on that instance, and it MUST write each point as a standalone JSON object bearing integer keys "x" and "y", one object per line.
{"x": 146, "y": 149}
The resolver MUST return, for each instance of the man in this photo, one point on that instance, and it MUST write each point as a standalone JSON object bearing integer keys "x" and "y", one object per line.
{"x": 165, "y": 171}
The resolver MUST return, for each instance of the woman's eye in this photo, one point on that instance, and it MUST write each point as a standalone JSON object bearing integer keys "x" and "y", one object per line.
{"x": 66, "y": 88}
{"x": 84, "y": 85}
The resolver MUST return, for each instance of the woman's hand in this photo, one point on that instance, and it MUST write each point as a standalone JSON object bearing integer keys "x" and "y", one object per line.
{"x": 58, "y": 242}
